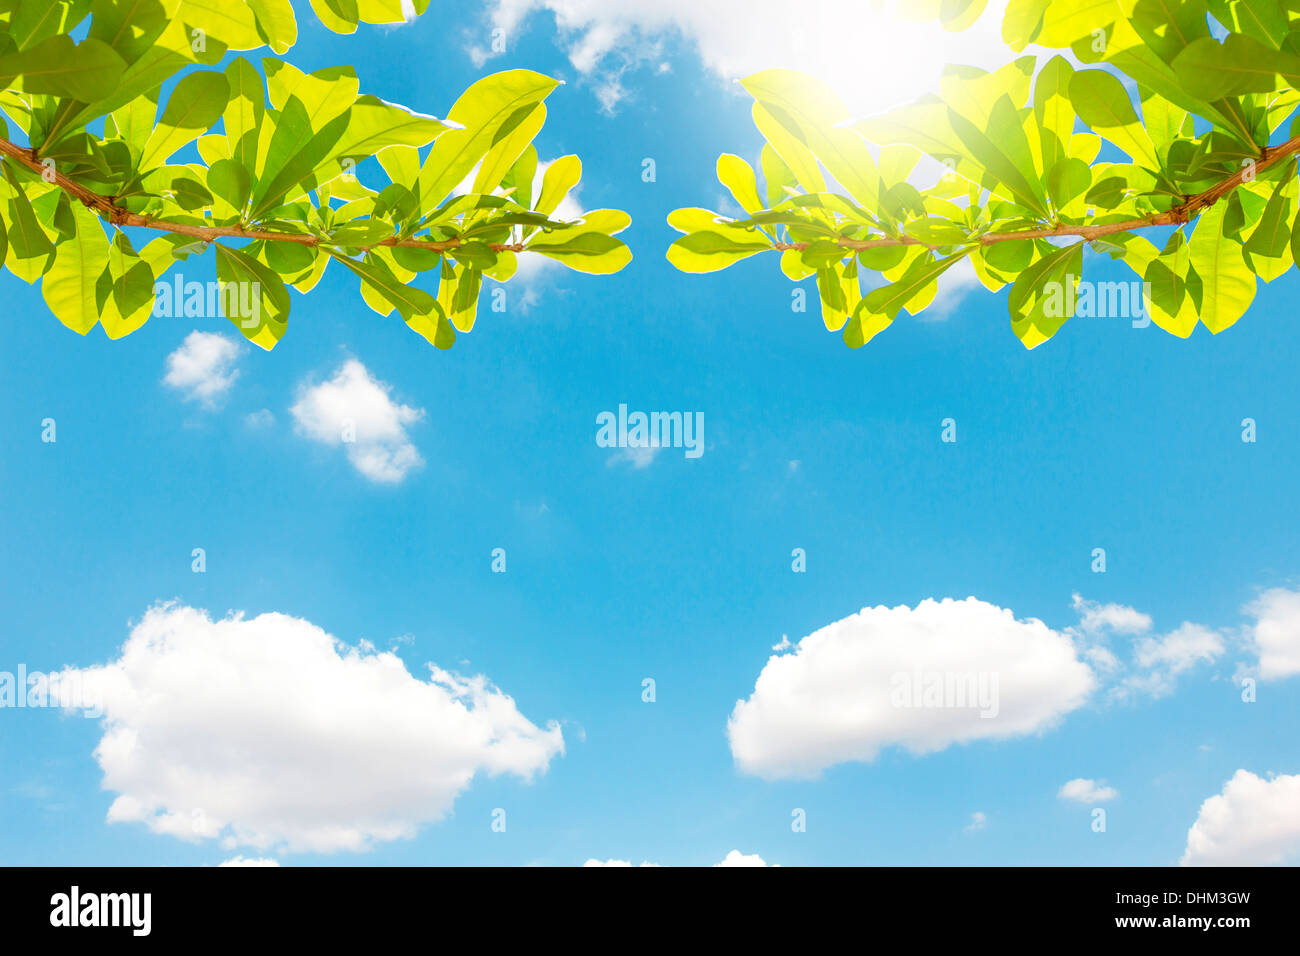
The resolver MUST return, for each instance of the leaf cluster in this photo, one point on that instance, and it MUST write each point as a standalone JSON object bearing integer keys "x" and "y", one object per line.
{"x": 262, "y": 163}
{"x": 1177, "y": 121}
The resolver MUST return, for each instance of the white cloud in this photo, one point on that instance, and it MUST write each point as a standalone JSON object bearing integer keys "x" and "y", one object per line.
{"x": 734, "y": 858}
{"x": 922, "y": 679}
{"x": 249, "y": 861}
{"x": 1179, "y": 650}
{"x": 1276, "y": 632}
{"x": 203, "y": 367}
{"x": 874, "y": 58}
{"x": 262, "y": 418}
{"x": 1156, "y": 660}
{"x": 1159, "y": 660}
{"x": 978, "y": 821}
{"x": 269, "y": 733}
{"x": 1097, "y": 618}
{"x": 1083, "y": 790}
{"x": 1253, "y": 822}
{"x": 594, "y": 862}
{"x": 357, "y": 411}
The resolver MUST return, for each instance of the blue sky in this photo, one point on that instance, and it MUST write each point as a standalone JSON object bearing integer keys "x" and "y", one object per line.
{"x": 680, "y": 571}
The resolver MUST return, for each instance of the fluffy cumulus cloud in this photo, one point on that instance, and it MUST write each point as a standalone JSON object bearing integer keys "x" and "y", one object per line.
{"x": 872, "y": 55}
{"x": 203, "y": 368}
{"x": 1252, "y": 822}
{"x": 357, "y": 411}
{"x": 922, "y": 678}
{"x": 269, "y": 733}
{"x": 1083, "y": 790}
{"x": 1276, "y": 633}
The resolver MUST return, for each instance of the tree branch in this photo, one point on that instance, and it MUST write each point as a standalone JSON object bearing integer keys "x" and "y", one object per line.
{"x": 1182, "y": 213}
{"x": 120, "y": 216}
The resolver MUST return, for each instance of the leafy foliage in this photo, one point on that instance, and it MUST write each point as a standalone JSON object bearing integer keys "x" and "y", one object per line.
{"x": 276, "y": 190}
{"x": 1198, "y": 154}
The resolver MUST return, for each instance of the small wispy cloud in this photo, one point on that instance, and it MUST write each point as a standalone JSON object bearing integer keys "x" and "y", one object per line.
{"x": 1083, "y": 790}
{"x": 638, "y": 457}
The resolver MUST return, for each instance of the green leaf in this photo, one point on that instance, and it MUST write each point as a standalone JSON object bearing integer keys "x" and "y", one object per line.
{"x": 276, "y": 23}
{"x": 131, "y": 29}
{"x": 1273, "y": 234}
{"x": 1104, "y": 105}
{"x": 124, "y": 293}
{"x": 712, "y": 251}
{"x": 1067, "y": 21}
{"x": 891, "y": 299}
{"x": 1007, "y": 169}
{"x": 31, "y": 250}
{"x": 592, "y": 252}
{"x": 1227, "y": 280}
{"x": 1054, "y": 111}
{"x": 374, "y": 126}
{"x": 1067, "y": 180}
{"x": 233, "y": 24}
{"x": 515, "y": 136}
{"x": 229, "y": 180}
{"x": 69, "y": 286}
{"x": 408, "y": 300}
{"x": 1213, "y": 71}
{"x": 1176, "y": 290}
{"x": 193, "y": 108}
{"x": 738, "y": 176}
{"x": 61, "y": 67}
{"x": 1022, "y": 22}
{"x": 458, "y": 293}
{"x": 254, "y": 297}
{"x": 811, "y": 113}
{"x": 481, "y": 111}
{"x": 1037, "y": 302}
{"x": 242, "y": 116}
{"x": 560, "y": 177}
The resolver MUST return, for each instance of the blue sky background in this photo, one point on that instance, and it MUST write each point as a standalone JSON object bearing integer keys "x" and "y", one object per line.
{"x": 1105, "y": 437}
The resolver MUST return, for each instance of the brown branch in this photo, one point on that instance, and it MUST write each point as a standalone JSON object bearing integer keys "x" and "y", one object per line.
{"x": 1182, "y": 213}
{"x": 120, "y": 216}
